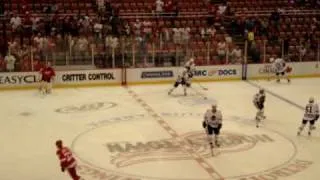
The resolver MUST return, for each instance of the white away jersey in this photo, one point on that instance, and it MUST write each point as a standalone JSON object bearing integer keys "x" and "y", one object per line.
{"x": 311, "y": 111}
{"x": 184, "y": 78}
{"x": 213, "y": 119}
{"x": 259, "y": 98}
{"x": 279, "y": 65}
{"x": 190, "y": 65}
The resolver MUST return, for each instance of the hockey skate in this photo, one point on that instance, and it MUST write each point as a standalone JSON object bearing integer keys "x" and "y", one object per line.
{"x": 211, "y": 145}
{"x": 217, "y": 144}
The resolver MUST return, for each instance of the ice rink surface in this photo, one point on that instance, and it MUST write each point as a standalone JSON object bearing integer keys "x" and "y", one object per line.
{"x": 142, "y": 133}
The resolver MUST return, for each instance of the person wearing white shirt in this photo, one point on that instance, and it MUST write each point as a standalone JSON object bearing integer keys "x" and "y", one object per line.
{"x": 159, "y": 6}
{"x": 236, "y": 55}
{"x": 83, "y": 45}
{"x": 221, "y": 9}
{"x": 15, "y": 22}
{"x": 221, "y": 50}
{"x": 10, "y": 61}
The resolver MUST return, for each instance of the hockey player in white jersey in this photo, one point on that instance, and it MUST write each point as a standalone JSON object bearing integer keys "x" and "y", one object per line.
{"x": 212, "y": 123}
{"x": 190, "y": 67}
{"x": 281, "y": 69}
{"x": 184, "y": 80}
{"x": 311, "y": 115}
{"x": 258, "y": 102}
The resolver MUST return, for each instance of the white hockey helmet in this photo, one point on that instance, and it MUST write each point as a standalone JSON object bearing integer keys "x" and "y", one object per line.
{"x": 311, "y": 100}
{"x": 214, "y": 106}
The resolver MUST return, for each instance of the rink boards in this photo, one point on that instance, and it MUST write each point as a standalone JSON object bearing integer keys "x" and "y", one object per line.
{"x": 22, "y": 80}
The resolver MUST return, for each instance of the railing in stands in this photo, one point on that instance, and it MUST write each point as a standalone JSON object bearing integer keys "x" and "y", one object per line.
{"x": 153, "y": 52}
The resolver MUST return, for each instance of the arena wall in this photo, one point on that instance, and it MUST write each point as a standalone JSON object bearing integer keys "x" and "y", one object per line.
{"x": 133, "y": 76}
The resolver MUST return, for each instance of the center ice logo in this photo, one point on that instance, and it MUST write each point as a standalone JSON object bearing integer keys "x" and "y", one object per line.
{"x": 128, "y": 147}
{"x": 130, "y": 153}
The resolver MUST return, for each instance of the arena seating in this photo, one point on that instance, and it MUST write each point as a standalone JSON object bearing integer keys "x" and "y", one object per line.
{"x": 294, "y": 24}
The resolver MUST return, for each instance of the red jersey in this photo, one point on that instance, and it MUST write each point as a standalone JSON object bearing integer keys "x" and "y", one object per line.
{"x": 66, "y": 158}
{"x": 47, "y": 73}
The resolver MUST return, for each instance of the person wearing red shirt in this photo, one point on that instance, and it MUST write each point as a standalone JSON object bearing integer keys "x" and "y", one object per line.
{"x": 47, "y": 74}
{"x": 67, "y": 161}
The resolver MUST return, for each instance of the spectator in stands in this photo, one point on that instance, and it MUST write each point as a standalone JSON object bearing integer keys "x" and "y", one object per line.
{"x": 84, "y": 25}
{"x": 176, "y": 36}
{"x": 314, "y": 24}
{"x": 221, "y": 50}
{"x": 16, "y": 24}
{"x": 236, "y": 56}
{"x": 83, "y": 46}
{"x": 185, "y": 35}
{"x": 14, "y": 46}
{"x": 275, "y": 18}
{"x": 208, "y": 33}
{"x": 147, "y": 29}
{"x": 137, "y": 27}
{"x": 175, "y": 7}
{"x": 168, "y": 6}
{"x": 97, "y": 29}
{"x": 112, "y": 42}
{"x": 61, "y": 44}
{"x": 108, "y": 7}
{"x": 73, "y": 25}
{"x": 35, "y": 24}
{"x": 302, "y": 51}
{"x": 41, "y": 43}
{"x": 101, "y": 6}
{"x": 222, "y": 9}
{"x": 286, "y": 45}
{"x": 22, "y": 52}
{"x": 2, "y": 63}
{"x": 127, "y": 29}
{"x": 27, "y": 26}
{"x": 254, "y": 52}
{"x": 234, "y": 26}
{"x": 166, "y": 34}
{"x": 159, "y": 7}
{"x": 250, "y": 38}
{"x": 10, "y": 62}
{"x": 263, "y": 31}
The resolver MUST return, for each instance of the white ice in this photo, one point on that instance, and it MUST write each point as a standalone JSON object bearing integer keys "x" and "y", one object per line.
{"x": 94, "y": 121}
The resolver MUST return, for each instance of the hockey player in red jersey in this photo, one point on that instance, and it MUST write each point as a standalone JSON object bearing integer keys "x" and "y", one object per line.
{"x": 67, "y": 161}
{"x": 47, "y": 74}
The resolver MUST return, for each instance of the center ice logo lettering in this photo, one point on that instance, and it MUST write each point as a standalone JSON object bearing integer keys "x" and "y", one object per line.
{"x": 129, "y": 153}
{"x": 86, "y": 107}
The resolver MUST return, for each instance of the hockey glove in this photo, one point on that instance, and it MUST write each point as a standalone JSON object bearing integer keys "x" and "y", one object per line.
{"x": 204, "y": 124}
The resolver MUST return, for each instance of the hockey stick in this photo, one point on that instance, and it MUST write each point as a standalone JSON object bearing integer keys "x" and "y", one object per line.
{"x": 199, "y": 93}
